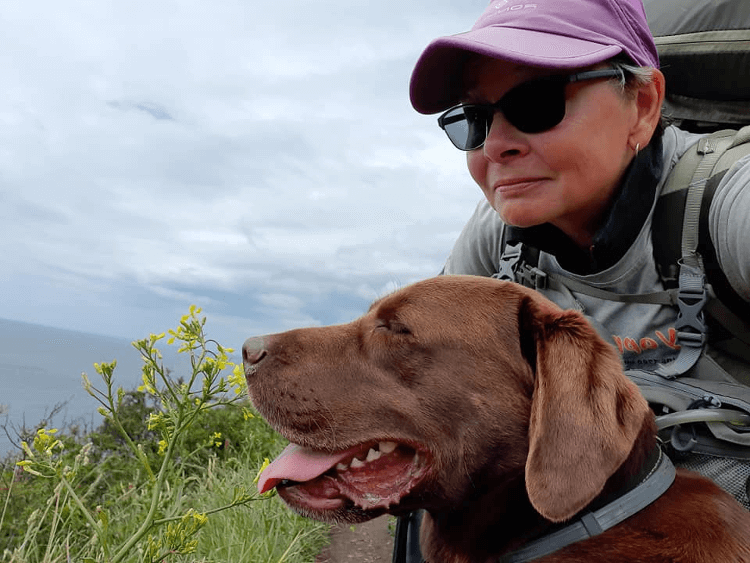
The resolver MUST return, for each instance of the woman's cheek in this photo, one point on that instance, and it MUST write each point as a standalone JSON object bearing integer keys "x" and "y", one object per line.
{"x": 477, "y": 165}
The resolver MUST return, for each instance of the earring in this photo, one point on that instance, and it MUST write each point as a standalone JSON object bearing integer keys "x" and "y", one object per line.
{"x": 637, "y": 148}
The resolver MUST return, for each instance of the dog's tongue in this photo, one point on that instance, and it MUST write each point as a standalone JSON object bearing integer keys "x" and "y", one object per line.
{"x": 297, "y": 463}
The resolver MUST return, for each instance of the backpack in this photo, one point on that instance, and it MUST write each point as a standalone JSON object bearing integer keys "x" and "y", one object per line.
{"x": 704, "y": 51}
{"x": 703, "y": 410}
{"x": 705, "y": 55}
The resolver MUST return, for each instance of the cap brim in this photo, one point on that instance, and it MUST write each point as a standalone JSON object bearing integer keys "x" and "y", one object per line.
{"x": 437, "y": 79}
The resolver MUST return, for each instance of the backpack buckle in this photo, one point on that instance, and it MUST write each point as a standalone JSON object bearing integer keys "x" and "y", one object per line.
{"x": 510, "y": 262}
{"x": 515, "y": 266}
{"x": 691, "y": 298}
{"x": 532, "y": 277}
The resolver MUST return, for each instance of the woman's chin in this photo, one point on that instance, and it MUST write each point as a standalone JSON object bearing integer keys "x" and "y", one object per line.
{"x": 521, "y": 218}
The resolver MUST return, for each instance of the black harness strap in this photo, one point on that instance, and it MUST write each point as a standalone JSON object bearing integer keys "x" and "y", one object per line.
{"x": 590, "y": 524}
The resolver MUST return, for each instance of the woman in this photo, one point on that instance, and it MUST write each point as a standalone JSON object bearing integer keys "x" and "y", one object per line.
{"x": 557, "y": 104}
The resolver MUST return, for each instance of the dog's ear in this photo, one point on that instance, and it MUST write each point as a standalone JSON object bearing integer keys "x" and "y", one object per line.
{"x": 585, "y": 413}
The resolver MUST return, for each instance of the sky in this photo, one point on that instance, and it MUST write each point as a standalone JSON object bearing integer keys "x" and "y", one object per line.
{"x": 259, "y": 159}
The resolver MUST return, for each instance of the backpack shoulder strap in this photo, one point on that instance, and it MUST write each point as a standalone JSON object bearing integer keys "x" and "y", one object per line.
{"x": 690, "y": 175}
{"x": 712, "y": 154}
{"x": 680, "y": 225}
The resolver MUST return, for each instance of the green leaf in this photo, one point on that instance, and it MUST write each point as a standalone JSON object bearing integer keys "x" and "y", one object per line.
{"x": 104, "y": 519}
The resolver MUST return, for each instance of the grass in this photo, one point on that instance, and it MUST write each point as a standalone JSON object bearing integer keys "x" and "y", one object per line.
{"x": 263, "y": 531}
{"x": 168, "y": 476}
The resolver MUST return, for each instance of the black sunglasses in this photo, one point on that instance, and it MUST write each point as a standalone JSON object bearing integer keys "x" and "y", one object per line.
{"x": 531, "y": 107}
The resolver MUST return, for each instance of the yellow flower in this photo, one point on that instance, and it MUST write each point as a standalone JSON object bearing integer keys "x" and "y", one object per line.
{"x": 199, "y": 519}
{"x": 237, "y": 379}
{"x": 154, "y": 337}
{"x": 154, "y": 420}
{"x": 263, "y": 467}
{"x": 45, "y": 442}
{"x": 26, "y": 465}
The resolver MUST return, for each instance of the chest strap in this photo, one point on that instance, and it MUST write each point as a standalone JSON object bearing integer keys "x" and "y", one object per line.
{"x": 519, "y": 264}
{"x": 516, "y": 265}
{"x": 594, "y": 523}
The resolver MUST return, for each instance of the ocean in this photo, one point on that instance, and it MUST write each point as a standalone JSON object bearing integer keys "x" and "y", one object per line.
{"x": 40, "y": 368}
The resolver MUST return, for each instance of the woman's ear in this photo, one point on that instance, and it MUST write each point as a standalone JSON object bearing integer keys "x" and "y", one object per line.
{"x": 648, "y": 99}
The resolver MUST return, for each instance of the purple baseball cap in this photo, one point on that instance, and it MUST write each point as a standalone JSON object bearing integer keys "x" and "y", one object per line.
{"x": 555, "y": 34}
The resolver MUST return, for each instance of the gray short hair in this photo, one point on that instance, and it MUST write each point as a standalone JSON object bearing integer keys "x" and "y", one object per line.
{"x": 633, "y": 76}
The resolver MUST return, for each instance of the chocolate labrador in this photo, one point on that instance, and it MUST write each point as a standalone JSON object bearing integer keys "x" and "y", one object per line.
{"x": 508, "y": 420}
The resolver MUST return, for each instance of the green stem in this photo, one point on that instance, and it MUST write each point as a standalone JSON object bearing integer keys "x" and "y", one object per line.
{"x": 167, "y": 382}
{"x": 149, "y": 520}
{"x": 7, "y": 497}
{"x": 87, "y": 515}
{"x": 121, "y": 429}
{"x": 162, "y": 556}
{"x": 288, "y": 549}
{"x": 53, "y": 525}
{"x": 240, "y": 502}
{"x": 195, "y": 366}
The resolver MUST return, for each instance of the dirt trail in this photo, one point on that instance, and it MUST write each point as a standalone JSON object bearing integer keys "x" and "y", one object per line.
{"x": 369, "y": 542}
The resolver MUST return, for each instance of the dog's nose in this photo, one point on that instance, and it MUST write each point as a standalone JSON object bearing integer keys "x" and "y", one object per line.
{"x": 253, "y": 350}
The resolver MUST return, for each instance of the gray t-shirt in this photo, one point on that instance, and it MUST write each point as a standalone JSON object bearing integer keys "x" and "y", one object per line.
{"x": 644, "y": 334}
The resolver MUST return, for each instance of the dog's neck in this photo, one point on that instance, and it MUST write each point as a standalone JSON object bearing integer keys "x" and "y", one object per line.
{"x": 640, "y": 461}
{"x": 502, "y": 519}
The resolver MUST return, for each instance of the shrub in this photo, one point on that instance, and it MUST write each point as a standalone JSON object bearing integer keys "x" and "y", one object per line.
{"x": 168, "y": 456}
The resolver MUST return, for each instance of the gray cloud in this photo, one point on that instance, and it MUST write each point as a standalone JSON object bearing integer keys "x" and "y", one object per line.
{"x": 259, "y": 159}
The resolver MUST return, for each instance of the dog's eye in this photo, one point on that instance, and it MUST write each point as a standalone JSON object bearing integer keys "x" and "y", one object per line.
{"x": 393, "y": 327}
{"x": 399, "y": 328}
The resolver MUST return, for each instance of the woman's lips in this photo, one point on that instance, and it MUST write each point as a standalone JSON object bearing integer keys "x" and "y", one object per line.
{"x": 510, "y": 187}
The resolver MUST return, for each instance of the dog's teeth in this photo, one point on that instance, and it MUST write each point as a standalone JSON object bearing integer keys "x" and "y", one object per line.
{"x": 356, "y": 464}
{"x": 387, "y": 447}
{"x": 372, "y": 455}
{"x": 341, "y": 467}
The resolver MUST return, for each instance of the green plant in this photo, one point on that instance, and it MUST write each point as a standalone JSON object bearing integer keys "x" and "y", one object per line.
{"x": 155, "y": 465}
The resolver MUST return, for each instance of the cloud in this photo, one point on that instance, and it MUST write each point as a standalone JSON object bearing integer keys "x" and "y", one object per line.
{"x": 259, "y": 159}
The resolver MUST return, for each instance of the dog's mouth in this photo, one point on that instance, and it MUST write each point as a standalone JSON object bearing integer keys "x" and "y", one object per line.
{"x": 370, "y": 476}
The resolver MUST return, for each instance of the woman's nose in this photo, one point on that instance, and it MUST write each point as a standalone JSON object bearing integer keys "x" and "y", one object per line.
{"x": 503, "y": 140}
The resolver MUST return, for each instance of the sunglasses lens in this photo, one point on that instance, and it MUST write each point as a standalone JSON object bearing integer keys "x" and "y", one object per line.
{"x": 466, "y": 126}
{"x": 531, "y": 107}
{"x": 535, "y": 106}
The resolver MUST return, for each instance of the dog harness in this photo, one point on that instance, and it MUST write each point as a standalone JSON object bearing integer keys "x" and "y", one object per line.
{"x": 593, "y": 523}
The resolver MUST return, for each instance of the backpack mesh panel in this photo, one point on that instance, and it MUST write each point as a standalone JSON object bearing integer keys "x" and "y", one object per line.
{"x": 730, "y": 474}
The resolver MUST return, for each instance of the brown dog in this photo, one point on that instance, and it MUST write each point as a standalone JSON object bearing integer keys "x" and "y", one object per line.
{"x": 489, "y": 407}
